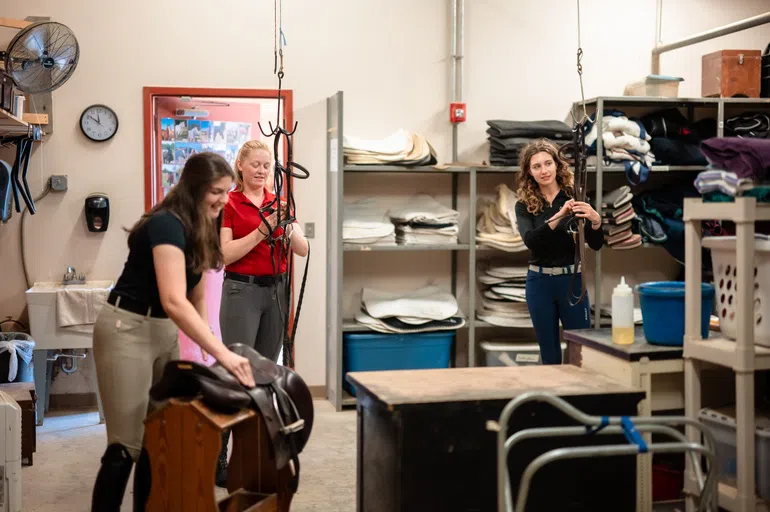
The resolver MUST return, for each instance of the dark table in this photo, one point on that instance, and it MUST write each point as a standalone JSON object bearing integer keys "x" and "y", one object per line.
{"x": 423, "y": 443}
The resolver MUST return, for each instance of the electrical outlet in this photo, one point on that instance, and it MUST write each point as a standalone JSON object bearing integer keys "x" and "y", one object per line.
{"x": 59, "y": 182}
{"x": 309, "y": 229}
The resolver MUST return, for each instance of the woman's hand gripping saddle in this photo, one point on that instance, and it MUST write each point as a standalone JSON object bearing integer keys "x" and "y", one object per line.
{"x": 280, "y": 396}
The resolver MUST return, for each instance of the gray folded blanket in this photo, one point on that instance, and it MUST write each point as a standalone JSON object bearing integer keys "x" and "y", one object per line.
{"x": 551, "y": 129}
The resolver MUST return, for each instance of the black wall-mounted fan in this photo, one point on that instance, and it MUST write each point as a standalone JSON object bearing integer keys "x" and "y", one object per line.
{"x": 41, "y": 57}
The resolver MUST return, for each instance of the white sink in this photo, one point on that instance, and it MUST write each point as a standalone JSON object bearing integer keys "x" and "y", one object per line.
{"x": 53, "y": 286}
{"x": 44, "y": 329}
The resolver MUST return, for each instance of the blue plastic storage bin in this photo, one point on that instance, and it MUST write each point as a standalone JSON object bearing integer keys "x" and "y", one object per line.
{"x": 662, "y": 305}
{"x": 377, "y": 352}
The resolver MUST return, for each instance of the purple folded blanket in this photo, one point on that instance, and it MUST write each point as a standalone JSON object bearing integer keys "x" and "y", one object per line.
{"x": 748, "y": 158}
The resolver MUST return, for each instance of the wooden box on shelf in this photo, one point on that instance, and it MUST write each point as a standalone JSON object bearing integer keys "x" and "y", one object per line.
{"x": 731, "y": 73}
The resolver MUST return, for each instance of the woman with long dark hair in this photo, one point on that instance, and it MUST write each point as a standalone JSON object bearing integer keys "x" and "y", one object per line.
{"x": 545, "y": 204}
{"x": 160, "y": 291}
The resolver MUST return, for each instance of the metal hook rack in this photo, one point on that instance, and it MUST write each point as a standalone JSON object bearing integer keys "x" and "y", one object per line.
{"x": 630, "y": 426}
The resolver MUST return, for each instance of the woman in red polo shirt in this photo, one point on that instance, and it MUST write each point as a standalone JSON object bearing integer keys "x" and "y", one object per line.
{"x": 251, "y": 310}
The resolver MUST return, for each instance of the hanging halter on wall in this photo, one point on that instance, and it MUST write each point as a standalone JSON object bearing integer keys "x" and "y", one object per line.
{"x": 285, "y": 211}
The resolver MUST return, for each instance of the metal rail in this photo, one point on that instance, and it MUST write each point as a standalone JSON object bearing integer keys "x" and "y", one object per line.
{"x": 593, "y": 425}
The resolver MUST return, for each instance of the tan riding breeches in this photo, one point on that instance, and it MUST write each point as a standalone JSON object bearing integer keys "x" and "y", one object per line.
{"x": 130, "y": 351}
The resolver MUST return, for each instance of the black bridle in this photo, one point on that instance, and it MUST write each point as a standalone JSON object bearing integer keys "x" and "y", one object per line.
{"x": 286, "y": 217}
{"x": 575, "y": 155}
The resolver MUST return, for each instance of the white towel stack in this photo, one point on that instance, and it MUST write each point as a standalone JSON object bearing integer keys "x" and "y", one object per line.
{"x": 623, "y": 140}
{"x": 496, "y": 226}
{"x": 365, "y": 222}
{"x": 400, "y": 148}
{"x": 422, "y": 220}
{"x": 503, "y": 300}
{"x": 421, "y": 310}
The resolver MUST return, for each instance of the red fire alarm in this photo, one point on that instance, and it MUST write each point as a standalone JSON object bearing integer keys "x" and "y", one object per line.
{"x": 457, "y": 112}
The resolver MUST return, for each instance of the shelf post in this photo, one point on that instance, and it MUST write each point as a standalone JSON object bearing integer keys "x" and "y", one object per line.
{"x": 472, "y": 176}
{"x": 599, "y": 184}
{"x": 744, "y": 353}
{"x": 692, "y": 332}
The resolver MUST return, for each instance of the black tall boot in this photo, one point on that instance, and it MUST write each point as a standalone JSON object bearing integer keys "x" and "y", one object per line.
{"x": 142, "y": 481}
{"x": 221, "y": 476}
{"x": 111, "y": 481}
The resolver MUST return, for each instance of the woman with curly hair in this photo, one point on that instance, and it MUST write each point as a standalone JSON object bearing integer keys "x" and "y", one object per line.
{"x": 543, "y": 210}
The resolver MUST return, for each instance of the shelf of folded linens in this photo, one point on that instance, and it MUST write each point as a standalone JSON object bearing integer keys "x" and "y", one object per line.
{"x": 350, "y": 325}
{"x": 407, "y": 169}
{"x": 350, "y": 247}
{"x": 641, "y": 101}
{"x": 654, "y": 168}
{"x": 607, "y": 168}
{"x": 484, "y": 324}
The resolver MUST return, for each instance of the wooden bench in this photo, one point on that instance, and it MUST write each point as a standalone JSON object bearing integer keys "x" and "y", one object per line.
{"x": 24, "y": 394}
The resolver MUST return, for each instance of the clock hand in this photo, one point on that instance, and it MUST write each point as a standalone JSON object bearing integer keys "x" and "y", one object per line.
{"x": 97, "y": 121}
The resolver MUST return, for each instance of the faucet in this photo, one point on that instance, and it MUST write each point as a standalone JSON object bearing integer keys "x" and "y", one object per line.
{"x": 72, "y": 277}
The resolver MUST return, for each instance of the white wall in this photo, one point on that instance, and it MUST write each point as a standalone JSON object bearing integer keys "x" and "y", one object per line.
{"x": 391, "y": 58}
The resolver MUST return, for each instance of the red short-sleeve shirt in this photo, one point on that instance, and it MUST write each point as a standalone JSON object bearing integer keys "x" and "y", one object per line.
{"x": 242, "y": 216}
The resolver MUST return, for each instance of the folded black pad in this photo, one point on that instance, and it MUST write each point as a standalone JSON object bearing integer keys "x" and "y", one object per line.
{"x": 503, "y": 129}
{"x": 6, "y": 199}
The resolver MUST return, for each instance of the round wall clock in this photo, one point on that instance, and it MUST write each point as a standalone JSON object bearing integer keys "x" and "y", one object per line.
{"x": 99, "y": 123}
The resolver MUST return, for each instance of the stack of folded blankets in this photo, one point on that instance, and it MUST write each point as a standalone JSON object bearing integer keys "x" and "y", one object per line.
{"x": 625, "y": 141}
{"x": 496, "y": 226}
{"x": 508, "y": 138}
{"x": 365, "y": 222}
{"x": 400, "y": 148}
{"x": 423, "y": 221}
{"x": 739, "y": 167}
{"x": 421, "y": 310}
{"x": 675, "y": 139}
{"x": 503, "y": 295}
{"x": 617, "y": 216}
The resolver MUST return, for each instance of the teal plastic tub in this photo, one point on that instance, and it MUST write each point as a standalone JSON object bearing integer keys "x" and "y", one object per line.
{"x": 366, "y": 352}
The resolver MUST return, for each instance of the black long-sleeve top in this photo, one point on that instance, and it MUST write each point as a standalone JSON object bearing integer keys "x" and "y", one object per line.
{"x": 552, "y": 247}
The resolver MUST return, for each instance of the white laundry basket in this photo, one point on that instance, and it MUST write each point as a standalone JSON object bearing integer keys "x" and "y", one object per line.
{"x": 723, "y": 258}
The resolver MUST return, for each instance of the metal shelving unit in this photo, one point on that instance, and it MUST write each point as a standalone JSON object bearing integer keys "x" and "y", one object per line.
{"x": 640, "y": 103}
{"x": 336, "y": 325}
{"x": 741, "y": 355}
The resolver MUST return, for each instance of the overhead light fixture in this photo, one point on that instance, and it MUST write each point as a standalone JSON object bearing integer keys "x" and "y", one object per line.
{"x": 184, "y": 112}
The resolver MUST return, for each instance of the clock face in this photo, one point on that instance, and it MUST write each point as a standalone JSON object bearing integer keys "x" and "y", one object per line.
{"x": 99, "y": 123}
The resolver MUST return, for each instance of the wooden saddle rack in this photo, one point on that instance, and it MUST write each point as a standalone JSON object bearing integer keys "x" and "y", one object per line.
{"x": 183, "y": 440}
{"x": 271, "y": 423}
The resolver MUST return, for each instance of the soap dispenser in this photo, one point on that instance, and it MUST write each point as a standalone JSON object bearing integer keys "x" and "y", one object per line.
{"x": 622, "y": 314}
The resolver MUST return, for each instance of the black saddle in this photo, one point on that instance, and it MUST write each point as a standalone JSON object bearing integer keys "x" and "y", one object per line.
{"x": 280, "y": 395}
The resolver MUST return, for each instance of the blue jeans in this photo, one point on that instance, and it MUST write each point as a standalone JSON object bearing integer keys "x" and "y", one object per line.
{"x": 548, "y": 300}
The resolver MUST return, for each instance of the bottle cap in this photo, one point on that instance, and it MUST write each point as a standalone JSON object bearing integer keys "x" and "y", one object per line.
{"x": 623, "y": 288}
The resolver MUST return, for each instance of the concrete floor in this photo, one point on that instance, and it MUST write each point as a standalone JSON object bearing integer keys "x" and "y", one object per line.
{"x": 70, "y": 444}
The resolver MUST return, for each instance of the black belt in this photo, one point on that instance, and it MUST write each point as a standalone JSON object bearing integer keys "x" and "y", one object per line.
{"x": 134, "y": 306}
{"x": 258, "y": 280}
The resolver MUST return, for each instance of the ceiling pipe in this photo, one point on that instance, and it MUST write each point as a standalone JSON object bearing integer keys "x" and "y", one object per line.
{"x": 730, "y": 28}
